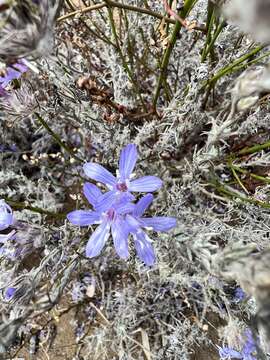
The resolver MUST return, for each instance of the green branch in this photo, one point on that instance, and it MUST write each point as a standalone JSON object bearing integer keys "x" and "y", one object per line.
{"x": 24, "y": 206}
{"x": 57, "y": 137}
{"x": 253, "y": 149}
{"x": 166, "y": 57}
{"x": 235, "y": 195}
{"x": 125, "y": 65}
{"x": 231, "y": 67}
{"x": 254, "y": 176}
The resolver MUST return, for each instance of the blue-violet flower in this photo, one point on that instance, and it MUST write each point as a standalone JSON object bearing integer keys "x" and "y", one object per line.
{"x": 110, "y": 219}
{"x": 9, "y": 293}
{"x": 135, "y": 222}
{"x": 122, "y": 183}
{"x": 6, "y": 216}
{"x": 114, "y": 211}
{"x": 13, "y": 72}
{"x": 248, "y": 350}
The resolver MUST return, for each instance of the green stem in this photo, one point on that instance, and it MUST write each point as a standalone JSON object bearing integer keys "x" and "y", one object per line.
{"x": 212, "y": 42}
{"x": 222, "y": 189}
{"x": 254, "y": 149}
{"x": 57, "y": 137}
{"x": 237, "y": 178}
{"x": 254, "y": 176}
{"x": 209, "y": 26}
{"x": 210, "y": 11}
{"x": 23, "y": 206}
{"x": 125, "y": 65}
{"x": 166, "y": 57}
{"x": 117, "y": 5}
{"x": 227, "y": 69}
{"x": 255, "y": 61}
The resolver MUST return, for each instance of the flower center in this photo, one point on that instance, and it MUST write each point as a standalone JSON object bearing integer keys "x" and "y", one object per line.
{"x": 121, "y": 187}
{"x": 110, "y": 214}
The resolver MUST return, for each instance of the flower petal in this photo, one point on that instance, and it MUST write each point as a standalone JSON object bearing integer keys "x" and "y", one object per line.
{"x": 97, "y": 240}
{"x": 6, "y": 220}
{"x": 123, "y": 203}
{"x": 91, "y": 192}
{"x": 2, "y": 91}
{"x": 9, "y": 293}
{"x": 124, "y": 209}
{"x": 128, "y": 158}
{"x": 133, "y": 223}
{"x": 83, "y": 217}
{"x": 250, "y": 343}
{"x": 228, "y": 353}
{"x": 144, "y": 248}
{"x": 145, "y": 184}
{"x": 105, "y": 201}
{"x": 159, "y": 223}
{"x": 99, "y": 173}
{"x": 13, "y": 72}
{"x": 6, "y": 216}
{"x": 142, "y": 205}
{"x": 5, "y": 237}
{"x": 120, "y": 232}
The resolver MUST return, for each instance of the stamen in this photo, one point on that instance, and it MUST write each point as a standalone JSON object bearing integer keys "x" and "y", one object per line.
{"x": 121, "y": 187}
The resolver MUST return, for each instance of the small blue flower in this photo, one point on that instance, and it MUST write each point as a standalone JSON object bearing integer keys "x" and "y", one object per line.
{"x": 227, "y": 353}
{"x": 6, "y": 216}
{"x": 122, "y": 183}
{"x": 6, "y": 148}
{"x": 114, "y": 211}
{"x": 239, "y": 294}
{"x": 9, "y": 293}
{"x": 248, "y": 350}
{"x": 250, "y": 346}
{"x": 13, "y": 72}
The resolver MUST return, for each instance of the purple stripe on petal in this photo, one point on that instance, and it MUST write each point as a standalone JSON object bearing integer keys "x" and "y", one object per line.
{"x": 142, "y": 205}
{"x": 123, "y": 209}
{"x": 91, "y": 192}
{"x": 145, "y": 184}
{"x": 97, "y": 240}
{"x": 123, "y": 203}
{"x": 133, "y": 223}
{"x": 99, "y": 173}
{"x": 144, "y": 248}
{"x": 120, "y": 234}
{"x": 20, "y": 66}
{"x": 128, "y": 159}
{"x": 105, "y": 201}
{"x": 83, "y": 217}
{"x": 125, "y": 197}
{"x": 159, "y": 223}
